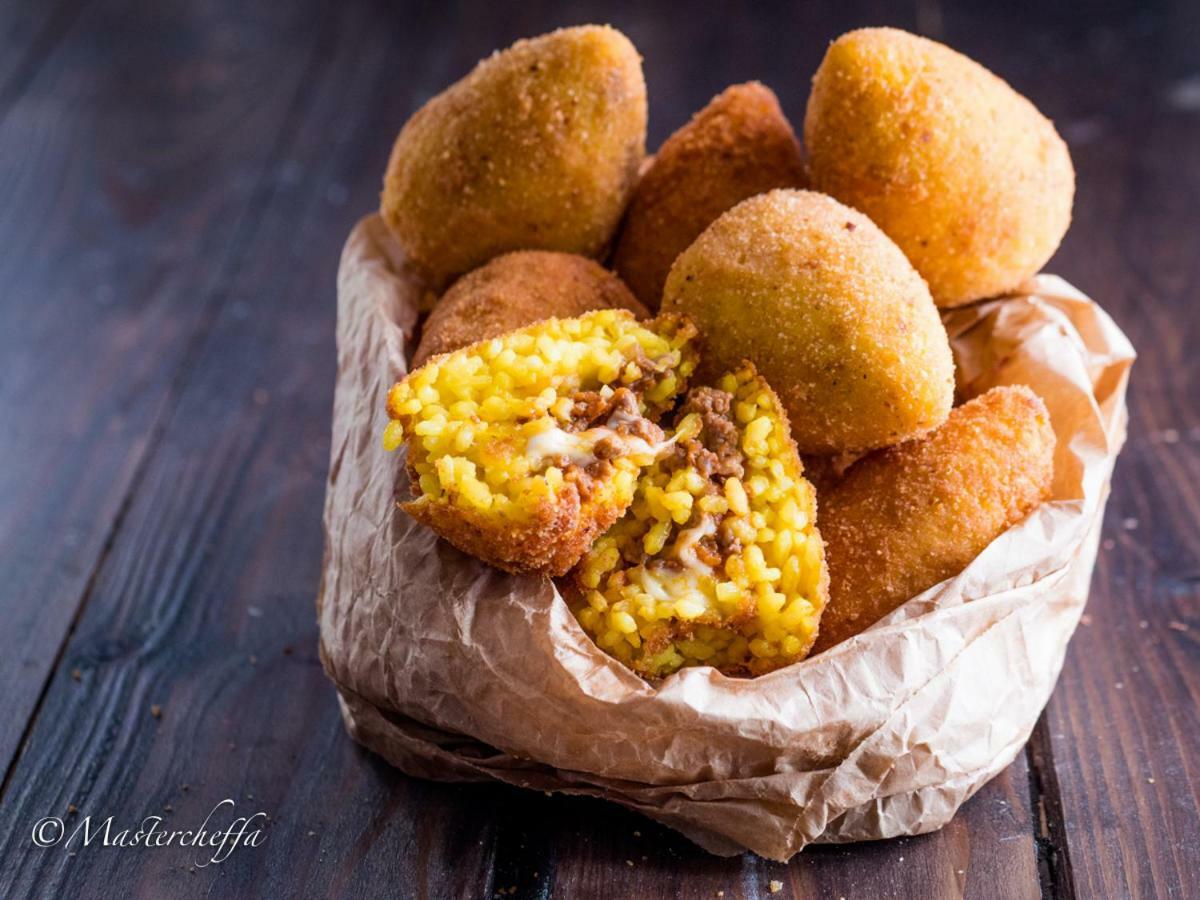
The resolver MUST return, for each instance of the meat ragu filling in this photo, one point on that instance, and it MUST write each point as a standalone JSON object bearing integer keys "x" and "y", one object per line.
{"x": 603, "y": 426}
{"x": 716, "y": 561}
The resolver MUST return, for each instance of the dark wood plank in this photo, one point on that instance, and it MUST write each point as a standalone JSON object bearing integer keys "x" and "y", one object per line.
{"x": 1120, "y": 731}
{"x": 576, "y": 848}
{"x": 129, "y": 175}
{"x": 28, "y": 34}
{"x": 194, "y": 662}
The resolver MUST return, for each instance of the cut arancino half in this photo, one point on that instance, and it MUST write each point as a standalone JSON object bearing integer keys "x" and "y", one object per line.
{"x": 718, "y": 560}
{"x": 523, "y": 448}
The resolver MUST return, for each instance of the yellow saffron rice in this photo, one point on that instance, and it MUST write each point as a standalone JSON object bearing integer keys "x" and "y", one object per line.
{"x": 708, "y": 566}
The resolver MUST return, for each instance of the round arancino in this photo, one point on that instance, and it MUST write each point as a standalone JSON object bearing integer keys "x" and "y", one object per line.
{"x": 961, "y": 171}
{"x": 739, "y": 145}
{"x": 537, "y": 148}
{"x": 829, "y": 311}
{"x": 518, "y": 289}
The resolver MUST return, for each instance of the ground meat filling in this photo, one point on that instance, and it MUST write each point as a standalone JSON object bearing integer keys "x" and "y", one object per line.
{"x": 619, "y": 411}
{"x": 716, "y": 451}
{"x": 590, "y": 408}
{"x": 716, "y": 454}
{"x": 620, "y": 414}
{"x": 727, "y": 541}
{"x": 708, "y": 552}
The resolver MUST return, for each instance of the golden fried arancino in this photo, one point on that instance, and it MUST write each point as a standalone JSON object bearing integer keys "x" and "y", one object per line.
{"x": 908, "y": 517}
{"x": 960, "y": 170}
{"x": 516, "y": 290}
{"x": 828, "y": 310}
{"x": 537, "y": 148}
{"x": 739, "y": 145}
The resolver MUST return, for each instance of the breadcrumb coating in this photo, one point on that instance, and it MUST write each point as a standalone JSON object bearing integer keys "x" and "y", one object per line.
{"x": 739, "y": 145}
{"x": 960, "y": 170}
{"x": 516, "y": 290}
{"x": 718, "y": 560}
{"x": 537, "y": 148}
{"x": 828, "y": 310}
{"x": 523, "y": 448}
{"x": 908, "y": 517}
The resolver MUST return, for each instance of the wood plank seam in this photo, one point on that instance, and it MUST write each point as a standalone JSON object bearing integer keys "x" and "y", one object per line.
{"x": 266, "y": 186}
{"x": 1049, "y": 824}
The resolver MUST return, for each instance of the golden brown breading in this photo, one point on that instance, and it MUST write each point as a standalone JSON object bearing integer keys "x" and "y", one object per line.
{"x": 537, "y": 148}
{"x": 828, "y": 310}
{"x": 738, "y": 146}
{"x": 908, "y": 517}
{"x": 960, "y": 170}
{"x": 516, "y": 290}
{"x": 550, "y": 540}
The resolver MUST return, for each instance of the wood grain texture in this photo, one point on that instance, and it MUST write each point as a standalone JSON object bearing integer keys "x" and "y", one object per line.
{"x": 576, "y": 848}
{"x": 180, "y": 178}
{"x": 1121, "y": 729}
{"x": 194, "y": 661}
{"x": 126, "y": 196}
{"x": 29, "y": 32}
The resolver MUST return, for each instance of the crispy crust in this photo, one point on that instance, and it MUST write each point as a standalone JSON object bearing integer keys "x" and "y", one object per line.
{"x": 537, "y": 148}
{"x": 739, "y": 145}
{"x": 830, "y": 311}
{"x": 961, "y": 171}
{"x": 908, "y": 517}
{"x": 550, "y": 542}
{"x": 516, "y": 290}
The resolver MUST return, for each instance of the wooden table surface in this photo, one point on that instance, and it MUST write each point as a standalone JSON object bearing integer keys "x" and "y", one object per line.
{"x": 177, "y": 180}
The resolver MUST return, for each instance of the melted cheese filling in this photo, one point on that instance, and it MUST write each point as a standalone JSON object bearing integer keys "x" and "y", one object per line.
{"x": 685, "y": 546}
{"x": 579, "y": 447}
{"x": 554, "y": 443}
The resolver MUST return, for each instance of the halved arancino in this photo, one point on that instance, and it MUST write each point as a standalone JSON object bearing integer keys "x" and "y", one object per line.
{"x": 523, "y": 448}
{"x": 718, "y": 560}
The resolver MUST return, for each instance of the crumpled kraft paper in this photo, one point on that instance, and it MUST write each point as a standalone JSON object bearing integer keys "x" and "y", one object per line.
{"x": 453, "y": 670}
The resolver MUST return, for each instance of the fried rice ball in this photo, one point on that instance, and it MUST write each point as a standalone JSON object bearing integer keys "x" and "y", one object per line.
{"x": 738, "y": 146}
{"x": 718, "y": 561}
{"x": 828, "y": 310}
{"x": 523, "y": 448}
{"x": 960, "y": 170}
{"x": 538, "y": 148}
{"x": 518, "y": 289}
{"x": 908, "y": 517}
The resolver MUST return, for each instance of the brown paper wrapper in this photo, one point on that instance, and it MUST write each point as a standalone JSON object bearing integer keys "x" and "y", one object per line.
{"x": 453, "y": 670}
